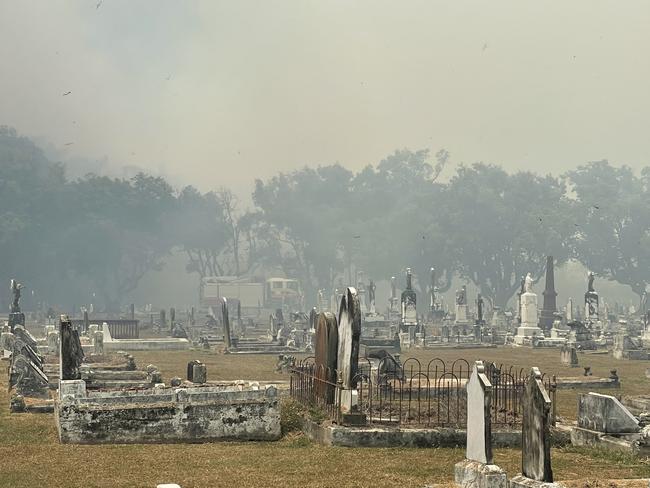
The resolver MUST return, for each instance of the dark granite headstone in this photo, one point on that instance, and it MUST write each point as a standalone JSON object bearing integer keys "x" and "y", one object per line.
{"x": 325, "y": 362}
{"x": 549, "y": 309}
{"x": 71, "y": 352}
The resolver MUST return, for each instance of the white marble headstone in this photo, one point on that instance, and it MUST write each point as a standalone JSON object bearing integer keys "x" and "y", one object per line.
{"x": 478, "y": 428}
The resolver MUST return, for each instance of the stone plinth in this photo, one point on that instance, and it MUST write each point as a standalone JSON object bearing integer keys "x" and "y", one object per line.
{"x": 523, "y": 482}
{"x": 462, "y": 315}
{"x": 472, "y": 474}
{"x": 529, "y": 327}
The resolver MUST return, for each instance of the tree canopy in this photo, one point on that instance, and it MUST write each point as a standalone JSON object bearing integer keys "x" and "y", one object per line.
{"x": 92, "y": 239}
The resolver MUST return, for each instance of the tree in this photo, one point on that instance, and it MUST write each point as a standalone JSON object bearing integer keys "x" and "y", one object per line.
{"x": 613, "y": 232}
{"x": 503, "y": 226}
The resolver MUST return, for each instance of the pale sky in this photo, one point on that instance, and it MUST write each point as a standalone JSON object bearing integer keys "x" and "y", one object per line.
{"x": 218, "y": 93}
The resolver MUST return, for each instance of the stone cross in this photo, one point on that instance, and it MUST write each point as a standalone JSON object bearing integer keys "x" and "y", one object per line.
{"x": 479, "y": 425}
{"x": 536, "y": 430}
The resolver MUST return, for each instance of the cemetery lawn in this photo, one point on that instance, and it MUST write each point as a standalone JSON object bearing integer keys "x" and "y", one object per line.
{"x": 31, "y": 456}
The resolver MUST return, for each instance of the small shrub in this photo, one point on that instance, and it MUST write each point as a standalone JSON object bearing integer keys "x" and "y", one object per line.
{"x": 291, "y": 415}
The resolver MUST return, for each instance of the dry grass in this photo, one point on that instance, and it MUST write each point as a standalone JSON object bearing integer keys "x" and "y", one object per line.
{"x": 32, "y": 457}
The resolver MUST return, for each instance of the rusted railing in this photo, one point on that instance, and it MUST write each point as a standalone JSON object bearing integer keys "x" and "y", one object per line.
{"x": 427, "y": 395}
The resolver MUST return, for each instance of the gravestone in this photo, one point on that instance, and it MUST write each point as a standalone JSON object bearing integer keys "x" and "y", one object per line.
{"x": 98, "y": 342}
{"x": 71, "y": 353}
{"x": 163, "y": 320}
{"x": 591, "y": 301}
{"x": 569, "y": 356}
{"x": 409, "y": 304}
{"x": 462, "y": 315}
{"x": 349, "y": 332}
{"x": 604, "y": 413}
{"x": 477, "y": 468}
{"x": 326, "y": 357}
{"x": 535, "y": 434}
{"x": 549, "y": 309}
{"x": 349, "y": 326}
{"x": 199, "y": 373}
{"x": 225, "y": 320}
{"x": 190, "y": 369}
{"x": 528, "y": 328}
{"x": 16, "y": 316}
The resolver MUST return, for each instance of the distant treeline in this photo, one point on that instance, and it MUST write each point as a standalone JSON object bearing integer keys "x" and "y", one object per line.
{"x": 92, "y": 239}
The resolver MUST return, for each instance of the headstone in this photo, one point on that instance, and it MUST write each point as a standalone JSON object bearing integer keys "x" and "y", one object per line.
{"x": 163, "y": 320}
{"x": 432, "y": 293}
{"x": 98, "y": 342}
{"x": 71, "y": 353}
{"x": 172, "y": 319}
{"x": 479, "y": 310}
{"x": 477, "y": 469}
{"x": 348, "y": 355}
{"x": 372, "y": 288}
{"x": 569, "y": 356}
{"x": 225, "y": 319}
{"x": 190, "y": 369}
{"x": 461, "y": 306}
{"x": 200, "y": 373}
{"x": 549, "y": 309}
{"x": 16, "y": 316}
{"x": 52, "y": 341}
{"x": 604, "y": 413}
{"x": 569, "y": 311}
{"x": 409, "y": 304}
{"x": 86, "y": 321}
{"x": 528, "y": 328}
{"x": 591, "y": 301}
{"x": 536, "y": 430}
{"x": 326, "y": 357}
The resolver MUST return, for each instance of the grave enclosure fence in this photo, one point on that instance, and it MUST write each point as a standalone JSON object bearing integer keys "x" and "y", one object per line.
{"x": 413, "y": 394}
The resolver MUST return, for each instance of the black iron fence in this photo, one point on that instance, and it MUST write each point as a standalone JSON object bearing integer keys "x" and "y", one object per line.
{"x": 414, "y": 394}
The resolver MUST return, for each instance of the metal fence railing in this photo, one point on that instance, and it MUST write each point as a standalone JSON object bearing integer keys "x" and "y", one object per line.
{"x": 413, "y": 394}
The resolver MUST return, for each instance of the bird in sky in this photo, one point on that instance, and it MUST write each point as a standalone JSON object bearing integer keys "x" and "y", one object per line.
{"x": 67, "y": 93}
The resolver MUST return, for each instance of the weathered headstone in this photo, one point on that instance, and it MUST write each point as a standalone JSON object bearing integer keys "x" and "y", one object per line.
{"x": 71, "y": 352}
{"x": 326, "y": 358}
{"x": 528, "y": 328}
{"x": 477, "y": 469}
{"x": 535, "y": 434}
{"x": 549, "y": 309}
{"x": 604, "y": 413}
{"x": 591, "y": 300}
{"x": 199, "y": 373}
{"x": 190, "y": 369}
{"x": 569, "y": 356}
{"x": 409, "y": 302}
{"x": 348, "y": 351}
{"x": 225, "y": 319}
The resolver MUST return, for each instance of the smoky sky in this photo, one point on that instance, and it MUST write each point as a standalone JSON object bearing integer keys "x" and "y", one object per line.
{"x": 219, "y": 93}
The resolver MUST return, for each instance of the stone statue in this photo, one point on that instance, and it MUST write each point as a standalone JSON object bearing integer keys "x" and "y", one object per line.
{"x": 15, "y": 291}
{"x": 461, "y": 296}
{"x": 479, "y": 307}
{"x": 590, "y": 282}
{"x": 528, "y": 283}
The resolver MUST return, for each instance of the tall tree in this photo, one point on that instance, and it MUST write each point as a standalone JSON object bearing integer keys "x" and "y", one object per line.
{"x": 502, "y": 226}
{"x": 614, "y": 228}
